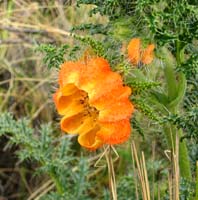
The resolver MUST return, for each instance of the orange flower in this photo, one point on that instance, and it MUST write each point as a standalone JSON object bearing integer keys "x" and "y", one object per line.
{"x": 137, "y": 55}
{"x": 94, "y": 103}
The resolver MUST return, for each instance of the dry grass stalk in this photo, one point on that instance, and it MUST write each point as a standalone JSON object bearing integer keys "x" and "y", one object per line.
{"x": 174, "y": 175}
{"x": 46, "y": 187}
{"x": 176, "y": 169}
{"x": 145, "y": 177}
{"x": 142, "y": 172}
{"x": 153, "y": 171}
{"x": 45, "y": 191}
{"x": 170, "y": 185}
{"x": 111, "y": 172}
{"x": 158, "y": 193}
{"x": 196, "y": 192}
{"x": 135, "y": 177}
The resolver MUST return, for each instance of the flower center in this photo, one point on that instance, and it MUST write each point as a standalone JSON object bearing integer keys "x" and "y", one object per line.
{"x": 89, "y": 111}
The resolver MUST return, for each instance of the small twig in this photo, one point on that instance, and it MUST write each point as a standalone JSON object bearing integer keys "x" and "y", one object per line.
{"x": 196, "y": 182}
{"x": 41, "y": 189}
{"x": 135, "y": 174}
{"x": 142, "y": 172}
{"x": 11, "y": 41}
{"x": 23, "y": 30}
{"x": 38, "y": 111}
{"x": 29, "y": 92}
{"x": 34, "y": 29}
{"x": 111, "y": 172}
{"x": 176, "y": 168}
{"x": 174, "y": 175}
{"x": 153, "y": 171}
{"x": 170, "y": 185}
{"x": 140, "y": 175}
{"x": 158, "y": 192}
{"x": 101, "y": 156}
{"x": 145, "y": 177}
{"x": 45, "y": 191}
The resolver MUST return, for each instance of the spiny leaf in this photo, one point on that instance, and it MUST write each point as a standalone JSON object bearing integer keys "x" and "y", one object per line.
{"x": 139, "y": 86}
{"x": 145, "y": 109}
{"x": 54, "y": 56}
{"x": 97, "y": 46}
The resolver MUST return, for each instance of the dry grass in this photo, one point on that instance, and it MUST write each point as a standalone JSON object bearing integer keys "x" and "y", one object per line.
{"x": 112, "y": 179}
{"x": 141, "y": 172}
{"x": 141, "y": 176}
{"x": 24, "y": 25}
{"x": 25, "y": 82}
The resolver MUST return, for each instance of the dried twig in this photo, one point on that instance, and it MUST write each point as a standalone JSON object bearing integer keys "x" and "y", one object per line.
{"x": 142, "y": 172}
{"x": 111, "y": 172}
{"x": 41, "y": 190}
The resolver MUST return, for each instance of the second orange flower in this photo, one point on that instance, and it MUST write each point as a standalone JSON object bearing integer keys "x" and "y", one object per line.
{"x": 137, "y": 55}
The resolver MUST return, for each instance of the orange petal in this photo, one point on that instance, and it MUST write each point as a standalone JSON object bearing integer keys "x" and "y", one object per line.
{"x": 103, "y": 85}
{"x": 105, "y": 100}
{"x": 79, "y": 123}
{"x": 98, "y": 64}
{"x": 148, "y": 55}
{"x": 69, "y": 105}
{"x": 70, "y": 73}
{"x": 96, "y": 71}
{"x": 65, "y": 91}
{"x": 134, "y": 51}
{"x": 114, "y": 132}
{"x": 117, "y": 111}
{"x": 71, "y": 124}
{"x": 90, "y": 140}
{"x": 69, "y": 89}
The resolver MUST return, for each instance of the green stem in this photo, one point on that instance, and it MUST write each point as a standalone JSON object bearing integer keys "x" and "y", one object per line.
{"x": 178, "y": 49}
{"x": 59, "y": 187}
{"x": 170, "y": 80}
{"x": 56, "y": 181}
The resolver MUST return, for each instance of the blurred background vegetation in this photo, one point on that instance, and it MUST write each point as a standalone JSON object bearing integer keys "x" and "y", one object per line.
{"x": 36, "y": 162}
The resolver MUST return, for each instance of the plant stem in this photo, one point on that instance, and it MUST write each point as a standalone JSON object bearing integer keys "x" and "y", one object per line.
{"x": 170, "y": 80}
{"x": 57, "y": 183}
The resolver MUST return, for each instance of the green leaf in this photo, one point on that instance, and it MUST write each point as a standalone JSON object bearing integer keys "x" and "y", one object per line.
{"x": 160, "y": 97}
{"x": 181, "y": 89}
{"x": 54, "y": 56}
